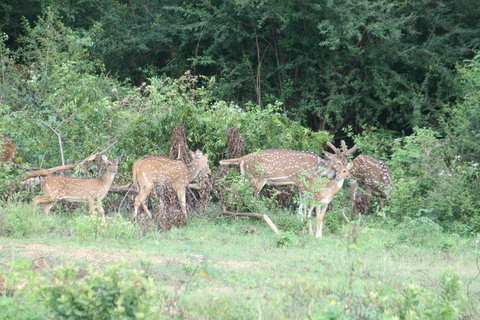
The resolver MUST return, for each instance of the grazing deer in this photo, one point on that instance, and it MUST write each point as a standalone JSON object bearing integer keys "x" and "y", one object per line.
{"x": 7, "y": 150}
{"x": 372, "y": 174}
{"x": 158, "y": 169}
{"x": 324, "y": 191}
{"x": 77, "y": 189}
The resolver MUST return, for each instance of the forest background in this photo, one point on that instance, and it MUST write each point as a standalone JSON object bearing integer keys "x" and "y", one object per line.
{"x": 398, "y": 78}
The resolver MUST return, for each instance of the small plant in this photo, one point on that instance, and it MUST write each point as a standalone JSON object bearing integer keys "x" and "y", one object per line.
{"x": 119, "y": 292}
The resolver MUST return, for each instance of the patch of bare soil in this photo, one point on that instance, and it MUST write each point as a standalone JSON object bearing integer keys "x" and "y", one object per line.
{"x": 49, "y": 255}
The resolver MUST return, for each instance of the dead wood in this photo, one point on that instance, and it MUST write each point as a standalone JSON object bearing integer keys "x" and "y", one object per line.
{"x": 252, "y": 214}
{"x": 48, "y": 172}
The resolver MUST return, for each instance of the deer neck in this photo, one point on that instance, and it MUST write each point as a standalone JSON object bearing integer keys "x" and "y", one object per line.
{"x": 335, "y": 185}
{"x": 107, "y": 178}
{"x": 192, "y": 170}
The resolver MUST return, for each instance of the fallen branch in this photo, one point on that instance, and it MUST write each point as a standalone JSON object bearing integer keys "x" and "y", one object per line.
{"x": 253, "y": 214}
{"x": 122, "y": 189}
{"x": 48, "y": 172}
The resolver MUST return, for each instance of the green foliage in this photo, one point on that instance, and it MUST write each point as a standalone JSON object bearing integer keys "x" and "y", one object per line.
{"x": 463, "y": 122}
{"x": 19, "y": 298}
{"x": 51, "y": 92}
{"x": 330, "y": 63}
{"x": 430, "y": 182}
{"x": 181, "y": 102}
{"x": 92, "y": 227}
{"x": 19, "y": 219}
{"x": 238, "y": 194}
{"x": 117, "y": 293}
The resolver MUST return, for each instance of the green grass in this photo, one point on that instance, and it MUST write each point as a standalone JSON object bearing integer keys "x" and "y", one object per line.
{"x": 239, "y": 269}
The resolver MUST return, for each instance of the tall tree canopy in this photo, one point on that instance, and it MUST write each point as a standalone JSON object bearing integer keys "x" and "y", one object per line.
{"x": 331, "y": 63}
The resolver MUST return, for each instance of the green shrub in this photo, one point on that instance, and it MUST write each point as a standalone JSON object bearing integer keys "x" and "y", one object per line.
{"x": 22, "y": 220}
{"x": 91, "y": 226}
{"x": 117, "y": 293}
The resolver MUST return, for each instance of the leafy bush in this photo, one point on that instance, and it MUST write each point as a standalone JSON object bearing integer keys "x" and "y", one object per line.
{"x": 117, "y": 293}
{"x": 429, "y": 182}
{"x": 22, "y": 220}
{"x": 92, "y": 227}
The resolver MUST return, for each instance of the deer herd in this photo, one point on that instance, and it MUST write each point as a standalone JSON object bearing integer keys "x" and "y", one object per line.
{"x": 321, "y": 178}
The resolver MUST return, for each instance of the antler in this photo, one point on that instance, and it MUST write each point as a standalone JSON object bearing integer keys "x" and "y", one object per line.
{"x": 337, "y": 152}
{"x": 347, "y": 152}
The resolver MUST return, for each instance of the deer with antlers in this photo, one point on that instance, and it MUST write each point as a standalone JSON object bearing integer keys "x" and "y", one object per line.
{"x": 278, "y": 167}
{"x": 7, "y": 150}
{"x": 372, "y": 175}
{"x": 324, "y": 190}
{"x": 287, "y": 167}
{"x": 90, "y": 190}
{"x": 158, "y": 169}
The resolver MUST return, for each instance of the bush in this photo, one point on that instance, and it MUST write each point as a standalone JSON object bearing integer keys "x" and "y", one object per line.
{"x": 118, "y": 293}
{"x": 431, "y": 183}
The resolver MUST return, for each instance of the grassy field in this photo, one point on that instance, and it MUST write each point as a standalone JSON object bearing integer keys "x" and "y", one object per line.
{"x": 236, "y": 268}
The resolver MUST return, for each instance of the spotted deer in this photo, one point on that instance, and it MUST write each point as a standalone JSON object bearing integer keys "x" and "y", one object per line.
{"x": 372, "y": 175}
{"x": 151, "y": 170}
{"x": 91, "y": 190}
{"x": 324, "y": 191}
{"x": 278, "y": 167}
{"x": 7, "y": 150}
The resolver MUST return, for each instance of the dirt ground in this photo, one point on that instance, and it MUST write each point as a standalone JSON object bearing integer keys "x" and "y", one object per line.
{"x": 48, "y": 256}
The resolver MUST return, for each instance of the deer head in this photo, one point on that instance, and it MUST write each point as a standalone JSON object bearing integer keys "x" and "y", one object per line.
{"x": 90, "y": 190}
{"x": 7, "y": 150}
{"x": 151, "y": 170}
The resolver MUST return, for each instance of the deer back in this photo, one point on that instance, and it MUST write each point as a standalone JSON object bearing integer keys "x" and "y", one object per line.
{"x": 7, "y": 150}
{"x": 159, "y": 169}
{"x": 282, "y": 166}
{"x": 371, "y": 172}
{"x": 80, "y": 189}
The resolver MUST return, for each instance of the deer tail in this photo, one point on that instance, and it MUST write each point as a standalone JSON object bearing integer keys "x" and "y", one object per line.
{"x": 231, "y": 161}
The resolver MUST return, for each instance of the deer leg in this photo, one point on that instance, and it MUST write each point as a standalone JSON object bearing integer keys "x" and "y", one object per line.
{"x": 308, "y": 216}
{"x": 382, "y": 205}
{"x": 47, "y": 206}
{"x": 49, "y": 202}
{"x": 301, "y": 210}
{"x": 182, "y": 199}
{"x": 320, "y": 216}
{"x": 140, "y": 199}
{"x": 258, "y": 186}
{"x": 102, "y": 211}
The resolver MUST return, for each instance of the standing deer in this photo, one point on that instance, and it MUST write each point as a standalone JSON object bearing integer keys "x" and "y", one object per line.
{"x": 7, "y": 150}
{"x": 373, "y": 175}
{"x": 327, "y": 191}
{"x": 78, "y": 189}
{"x": 158, "y": 169}
{"x": 279, "y": 167}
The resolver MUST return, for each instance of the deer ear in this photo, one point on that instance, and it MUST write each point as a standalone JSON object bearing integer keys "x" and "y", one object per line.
{"x": 104, "y": 158}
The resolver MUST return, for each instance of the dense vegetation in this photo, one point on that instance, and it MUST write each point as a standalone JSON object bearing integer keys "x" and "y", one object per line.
{"x": 399, "y": 79}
